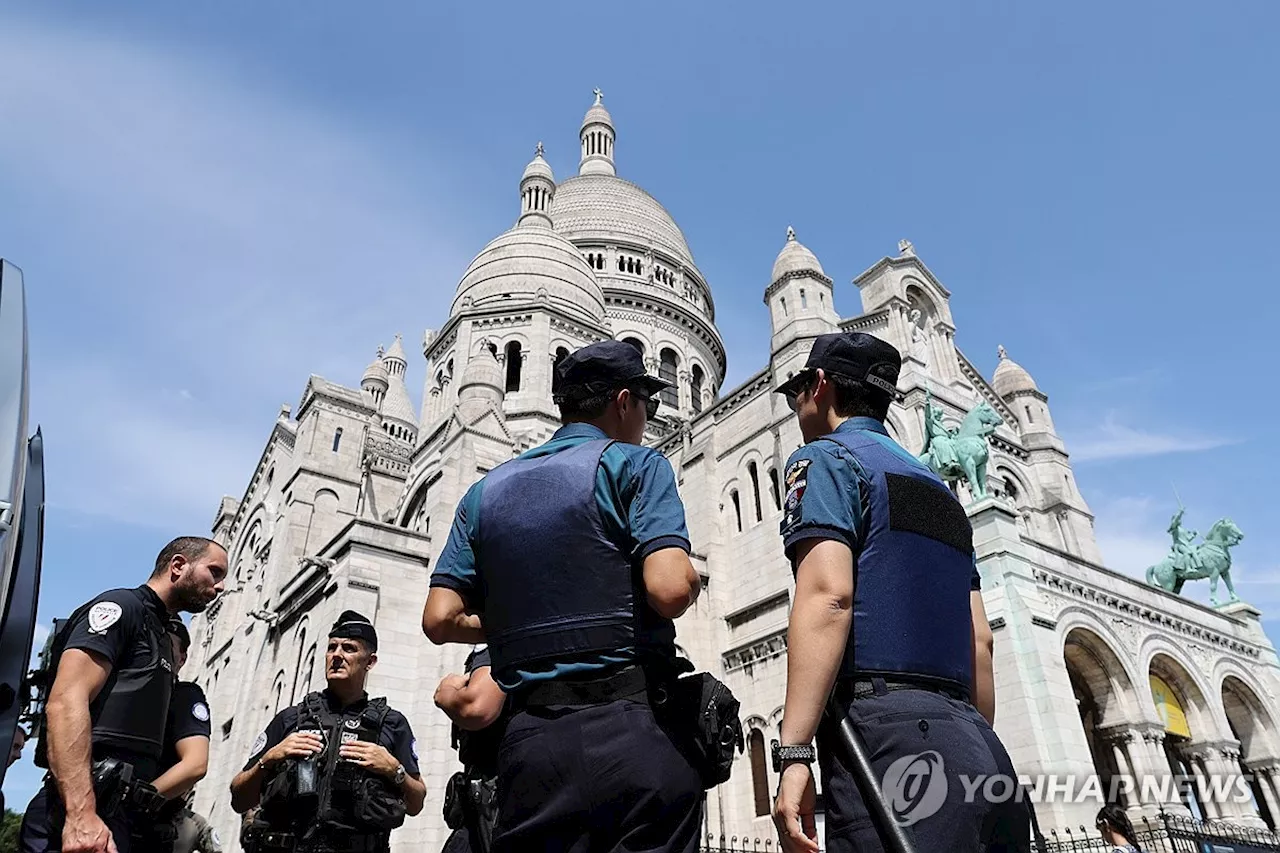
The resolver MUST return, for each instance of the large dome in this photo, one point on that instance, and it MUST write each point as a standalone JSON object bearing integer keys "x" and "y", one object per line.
{"x": 606, "y": 208}
{"x": 527, "y": 264}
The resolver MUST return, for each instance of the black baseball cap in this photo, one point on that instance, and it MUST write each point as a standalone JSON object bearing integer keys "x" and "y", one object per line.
{"x": 853, "y": 355}
{"x": 604, "y": 366}
{"x": 355, "y": 626}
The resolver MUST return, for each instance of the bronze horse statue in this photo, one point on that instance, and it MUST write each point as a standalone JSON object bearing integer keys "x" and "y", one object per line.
{"x": 1210, "y": 559}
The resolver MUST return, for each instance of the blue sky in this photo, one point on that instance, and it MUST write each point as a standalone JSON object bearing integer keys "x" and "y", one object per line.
{"x": 210, "y": 203}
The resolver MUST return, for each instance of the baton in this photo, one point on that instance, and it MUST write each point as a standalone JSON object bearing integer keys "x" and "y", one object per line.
{"x": 891, "y": 832}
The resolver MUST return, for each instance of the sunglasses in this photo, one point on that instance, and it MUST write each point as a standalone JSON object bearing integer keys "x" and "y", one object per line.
{"x": 650, "y": 404}
{"x": 802, "y": 382}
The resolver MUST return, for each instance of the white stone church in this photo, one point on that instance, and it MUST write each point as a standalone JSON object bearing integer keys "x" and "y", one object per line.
{"x": 353, "y": 497}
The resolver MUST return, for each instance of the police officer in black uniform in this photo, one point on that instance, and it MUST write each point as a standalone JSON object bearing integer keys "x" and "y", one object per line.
{"x": 183, "y": 764}
{"x": 338, "y": 771}
{"x": 111, "y": 677}
{"x": 888, "y": 612}
{"x": 479, "y": 710}
{"x": 570, "y": 562}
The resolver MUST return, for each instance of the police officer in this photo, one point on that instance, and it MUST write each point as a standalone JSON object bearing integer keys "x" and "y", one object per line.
{"x": 887, "y": 610}
{"x": 104, "y": 718}
{"x": 183, "y": 764}
{"x": 571, "y": 561}
{"x": 338, "y": 771}
{"x": 479, "y": 710}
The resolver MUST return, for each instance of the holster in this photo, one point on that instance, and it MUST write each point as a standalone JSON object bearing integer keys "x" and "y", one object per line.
{"x": 454, "y": 793}
{"x": 701, "y": 713}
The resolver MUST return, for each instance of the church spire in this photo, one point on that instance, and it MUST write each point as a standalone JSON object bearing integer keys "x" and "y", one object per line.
{"x": 537, "y": 188}
{"x": 597, "y": 140}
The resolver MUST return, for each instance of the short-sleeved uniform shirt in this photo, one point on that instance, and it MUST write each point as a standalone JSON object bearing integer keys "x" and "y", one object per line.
{"x": 828, "y": 489}
{"x": 642, "y": 512}
{"x": 114, "y": 625}
{"x": 396, "y": 735}
{"x": 188, "y": 717}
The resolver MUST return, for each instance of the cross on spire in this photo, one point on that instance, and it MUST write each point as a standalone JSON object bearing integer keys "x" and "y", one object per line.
{"x": 599, "y": 95}
{"x": 538, "y": 151}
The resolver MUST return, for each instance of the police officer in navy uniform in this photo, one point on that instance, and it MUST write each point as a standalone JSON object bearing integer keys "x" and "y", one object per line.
{"x": 479, "y": 710}
{"x": 887, "y": 612}
{"x": 105, "y": 715}
{"x": 571, "y": 561}
{"x": 183, "y": 764}
{"x": 314, "y": 800}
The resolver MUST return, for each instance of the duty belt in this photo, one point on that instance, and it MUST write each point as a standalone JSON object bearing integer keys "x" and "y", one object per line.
{"x": 328, "y": 842}
{"x": 861, "y": 688}
{"x": 628, "y": 683}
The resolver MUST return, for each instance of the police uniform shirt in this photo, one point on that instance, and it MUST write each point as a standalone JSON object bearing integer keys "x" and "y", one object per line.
{"x": 188, "y": 717}
{"x": 827, "y": 488}
{"x": 636, "y": 492}
{"x": 114, "y": 625}
{"x": 396, "y": 735}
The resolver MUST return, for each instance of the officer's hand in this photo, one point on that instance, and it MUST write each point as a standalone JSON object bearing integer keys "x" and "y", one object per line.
{"x": 296, "y": 745}
{"x": 86, "y": 833}
{"x": 793, "y": 810}
{"x": 371, "y": 756}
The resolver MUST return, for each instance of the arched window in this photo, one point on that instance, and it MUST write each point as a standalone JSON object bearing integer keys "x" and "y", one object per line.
{"x": 337, "y": 438}
{"x": 514, "y": 362}
{"x": 309, "y": 667}
{"x": 297, "y": 670}
{"x": 695, "y": 388}
{"x": 561, "y": 354}
{"x": 804, "y": 300}
{"x": 759, "y": 777}
{"x": 775, "y": 489}
{"x": 1030, "y": 419}
{"x": 667, "y": 370}
{"x": 737, "y": 509}
{"x": 755, "y": 488}
{"x": 783, "y": 300}
{"x": 622, "y": 264}
{"x": 635, "y": 342}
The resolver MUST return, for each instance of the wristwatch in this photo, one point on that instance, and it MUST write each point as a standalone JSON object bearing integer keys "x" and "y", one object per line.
{"x": 400, "y": 774}
{"x": 791, "y": 754}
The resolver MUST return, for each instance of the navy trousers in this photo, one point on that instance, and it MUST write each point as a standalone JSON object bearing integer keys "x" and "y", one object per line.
{"x": 597, "y": 779}
{"x": 926, "y": 750}
{"x": 41, "y": 830}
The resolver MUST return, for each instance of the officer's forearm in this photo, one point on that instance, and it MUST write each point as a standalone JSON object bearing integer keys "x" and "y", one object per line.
{"x": 414, "y": 791}
{"x": 71, "y": 750}
{"x": 246, "y": 789}
{"x": 179, "y": 779}
{"x": 983, "y": 689}
{"x": 818, "y": 632}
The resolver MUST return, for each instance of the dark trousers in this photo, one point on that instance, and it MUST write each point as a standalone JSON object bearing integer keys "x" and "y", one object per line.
{"x": 920, "y": 744}
{"x": 41, "y": 830}
{"x": 597, "y": 779}
{"x": 460, "y": 841}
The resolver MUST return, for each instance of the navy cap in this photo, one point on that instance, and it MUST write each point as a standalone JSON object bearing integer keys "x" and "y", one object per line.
{"x": 604, "y": 366}
{"x": 853, "y": 355}
{"x": 353, "y": 626}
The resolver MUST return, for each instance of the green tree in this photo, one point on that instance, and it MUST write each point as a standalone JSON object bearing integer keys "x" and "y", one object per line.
{"x": 9, "y": 831}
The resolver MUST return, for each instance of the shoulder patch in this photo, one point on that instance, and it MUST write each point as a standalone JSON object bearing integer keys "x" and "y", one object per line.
{"x": 797, "y": 480}
{"x": 413, "y": 748}
{"x": 259, "y": 744}
{"x": 200, "y": 711}
{"x": 103, "y": 615}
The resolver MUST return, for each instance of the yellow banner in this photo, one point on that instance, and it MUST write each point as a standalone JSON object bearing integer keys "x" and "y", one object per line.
{"x": 1169, "y": 708}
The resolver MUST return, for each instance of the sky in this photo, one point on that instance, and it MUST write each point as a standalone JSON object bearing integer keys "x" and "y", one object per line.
{"x": 210, "y": 202}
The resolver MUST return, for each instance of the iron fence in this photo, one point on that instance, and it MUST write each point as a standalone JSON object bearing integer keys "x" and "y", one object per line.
{"x": 1164, "y": 833}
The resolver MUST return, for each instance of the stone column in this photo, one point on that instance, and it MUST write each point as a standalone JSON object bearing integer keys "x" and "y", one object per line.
{"x": 1197, "y": 758}
{"x": 1265, "y": 777}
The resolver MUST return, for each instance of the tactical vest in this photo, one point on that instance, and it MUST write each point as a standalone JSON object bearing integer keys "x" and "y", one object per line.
{"x": 553, "y": 585}
{"x": 914, "y": 566}
{"x": 347, "y": 798}
{"x": 130, "y": 712}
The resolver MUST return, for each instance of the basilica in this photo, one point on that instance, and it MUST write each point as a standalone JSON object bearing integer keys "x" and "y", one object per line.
{"x": 1098, "y": 674}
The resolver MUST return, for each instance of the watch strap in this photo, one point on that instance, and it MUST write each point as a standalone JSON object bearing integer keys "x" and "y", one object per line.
{"x": 783, "y": 755}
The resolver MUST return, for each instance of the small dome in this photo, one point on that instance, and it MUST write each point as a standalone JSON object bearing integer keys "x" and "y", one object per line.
{"x": 376, "y": 371}
{"x": 597, "y": 114}
{"x": 482, "y": 384}
{"x": 794, "y": 258}
{"x": 1010, "y": 377}
{"x": 527, "y": 265}
{"x": 538, "y": 168}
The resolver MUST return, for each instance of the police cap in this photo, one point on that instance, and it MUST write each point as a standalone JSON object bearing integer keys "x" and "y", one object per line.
{"x": 853, "y": 355}
{"x": 180, "y": 631}
{"x": 602, "y": 367}
{"x": 353, "y": 626}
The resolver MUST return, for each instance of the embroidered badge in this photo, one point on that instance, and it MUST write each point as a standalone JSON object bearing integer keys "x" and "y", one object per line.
{"x": 413, "y": 748}
{"x": 259, "y": 744}
{"x": 352, "y": 724}
{"x": 200, "y": 711}
{"x": 350, "y": 737}
{"x": 103, "y": 615}
{"x": 797, "y": 479}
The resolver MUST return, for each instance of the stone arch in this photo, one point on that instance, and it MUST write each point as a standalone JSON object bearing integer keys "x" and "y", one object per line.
{"x": 247, "y": 543}
{"x": 1102, "y": 688}
{"x": 1005, "y": 475}
{"x": 326, "y": 502}
{"x": 1167, "y": 664}
{"x": 1248, "y": 719}
{"x": 917, "y": 296}
{"x": 1166, "y": 661}
{"x": 893, "y": 423}
{"x": 731, "y": 503}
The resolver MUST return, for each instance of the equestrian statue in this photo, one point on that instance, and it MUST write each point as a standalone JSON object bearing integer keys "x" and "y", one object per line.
{"x": 1188, "y": 561}
{"x": 955, "y": 454}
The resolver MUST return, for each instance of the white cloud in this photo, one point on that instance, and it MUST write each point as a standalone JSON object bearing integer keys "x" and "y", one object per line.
{"x": 212, "y": 237}
{"x": 1113, "y": 440}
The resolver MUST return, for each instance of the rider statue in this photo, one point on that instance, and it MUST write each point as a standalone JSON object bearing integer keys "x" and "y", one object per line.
{"x": 1184, "y": 548}
{"x": 943, "y": 453}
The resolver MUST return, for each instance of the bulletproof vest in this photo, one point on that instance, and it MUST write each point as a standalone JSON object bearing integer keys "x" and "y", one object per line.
{"x": 914, "y": 567}
{"x": 553, "y": 585}
{"x": 130, "y": 712}
{"x": 346, "y": 797}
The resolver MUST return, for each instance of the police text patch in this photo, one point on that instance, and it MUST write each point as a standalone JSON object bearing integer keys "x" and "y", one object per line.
{"x": 200, "y": 711}
{"x": 797, "y": 480}
{"x": 103, "y": 615}
{"x": 259, "y": 744}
